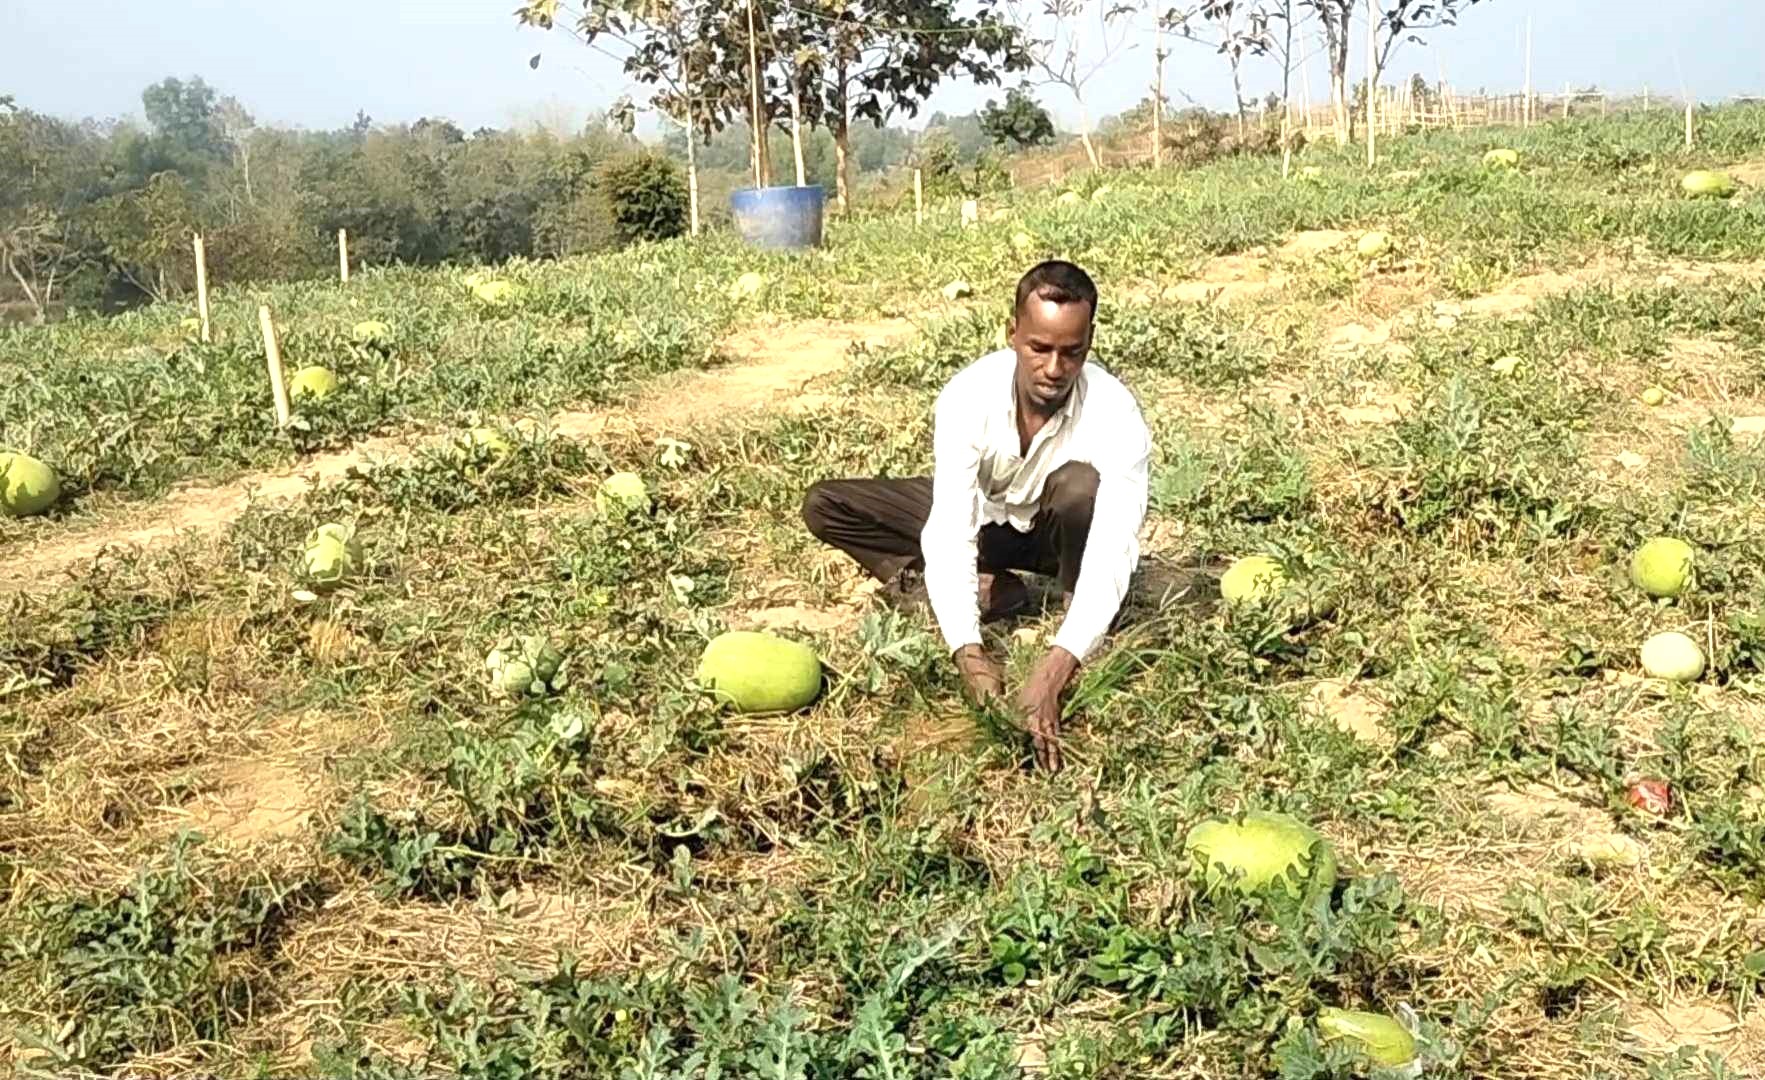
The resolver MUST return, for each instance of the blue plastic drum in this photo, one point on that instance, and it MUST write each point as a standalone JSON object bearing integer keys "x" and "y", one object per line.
{"x": 779, "y": 217}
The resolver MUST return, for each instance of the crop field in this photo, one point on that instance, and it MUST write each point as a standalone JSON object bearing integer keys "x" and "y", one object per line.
{"x": 248, "y": 829}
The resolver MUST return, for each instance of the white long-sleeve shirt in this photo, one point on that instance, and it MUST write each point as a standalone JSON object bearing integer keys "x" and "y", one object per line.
{"x": 980, "y": 478}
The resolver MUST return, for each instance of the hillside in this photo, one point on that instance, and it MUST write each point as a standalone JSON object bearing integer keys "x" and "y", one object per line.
{"x": 253, "y": 827}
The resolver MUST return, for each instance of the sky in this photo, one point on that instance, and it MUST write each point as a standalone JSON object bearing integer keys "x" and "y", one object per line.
{"x": 315, "y": 63}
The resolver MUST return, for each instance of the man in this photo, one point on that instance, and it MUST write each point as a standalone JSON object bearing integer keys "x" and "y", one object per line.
{"x": 1039, "y": 464}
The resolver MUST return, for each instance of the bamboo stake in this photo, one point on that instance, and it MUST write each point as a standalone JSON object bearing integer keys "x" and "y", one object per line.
{"x": 343, "y": 255}
{"x": 918, "y": 198}
{"x": 1688, "y": 139}
{"x": 1372, "y": 77}
{"x": 754, "y": 87}
{"x": 797, "y": 138}
{"x": 1157, "y": 91}
{"x": 1645, "y": 97}
{"x": 1305, "y": 96}
{"x": 273, "y": 356}
{"x": 692, "y": 157}
{"x": 202, "y": 285}
{"x": 1528, "y": 119}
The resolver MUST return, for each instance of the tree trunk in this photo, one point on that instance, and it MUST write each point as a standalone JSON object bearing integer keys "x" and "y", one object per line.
{"x": 692, "y": 175}
{"x": 765, "y": 148}
{"x": 37, "y": 304}
{"x": 842, "y": 153}
{"x": 797, "y": 137}
{"x": 842, "y": 139}
{"x": 1085, "y": 134}
{"x": 1336, "y": 46}
{"x": 1238, "y": 93}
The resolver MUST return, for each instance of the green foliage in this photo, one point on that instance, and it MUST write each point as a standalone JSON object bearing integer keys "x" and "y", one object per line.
{"x": 1021, "y": 122}
{"x": 181, "y": 956}
{"x": 646, "y": 196}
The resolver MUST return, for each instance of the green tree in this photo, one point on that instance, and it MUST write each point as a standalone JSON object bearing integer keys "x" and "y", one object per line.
{"x": 645, "y": 194}
{"x": 182, "y": 115}
{"x": 144, "y": 234}
{"x": 1021, "y": 122}
{"x": 40, "y": 162}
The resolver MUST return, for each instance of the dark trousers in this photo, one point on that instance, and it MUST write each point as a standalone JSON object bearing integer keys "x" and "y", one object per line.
{"x": 878, "y": 523}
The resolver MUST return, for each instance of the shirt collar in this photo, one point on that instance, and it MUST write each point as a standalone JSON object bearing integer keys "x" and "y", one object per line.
{"x": 1061, "y": 416}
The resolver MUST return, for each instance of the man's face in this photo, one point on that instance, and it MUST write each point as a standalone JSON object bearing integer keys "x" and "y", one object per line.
{"x": 1051, "y": 341}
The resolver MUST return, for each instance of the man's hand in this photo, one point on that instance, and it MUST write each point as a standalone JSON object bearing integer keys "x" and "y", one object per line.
{"x": 1039, "y": 702}
{"x": 982, "y": 676}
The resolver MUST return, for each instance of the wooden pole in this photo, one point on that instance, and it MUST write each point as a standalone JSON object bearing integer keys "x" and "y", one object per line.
{"x": 1566, "y": 96}
{"x": 754, "y": 88}
{"x": 1372, "y": 82}
{"x": 202, "y": 285}
{"x": 918, "y": 198}
{"x": 1305, "y": 96}
{"x": 1645, "y": 97}
{"x": 1157, "y": 91}
{"x": 343, "y": 255}
{"x": 692, "y": 156}
{"x": 273, "y": 356}
{"x": 1528, "y": 117}
{"x": 1688, "y": 139}
{"x": 797, "y": 136}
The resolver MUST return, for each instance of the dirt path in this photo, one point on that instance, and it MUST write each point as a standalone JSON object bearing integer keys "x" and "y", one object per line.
{"x": 778, "y": 363}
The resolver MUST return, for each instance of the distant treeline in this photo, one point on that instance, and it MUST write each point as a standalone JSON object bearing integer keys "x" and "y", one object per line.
{"x": 99, "y": 214}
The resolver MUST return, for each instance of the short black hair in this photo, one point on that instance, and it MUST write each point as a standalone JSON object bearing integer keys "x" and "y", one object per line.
{"x": 1057, "y": 281}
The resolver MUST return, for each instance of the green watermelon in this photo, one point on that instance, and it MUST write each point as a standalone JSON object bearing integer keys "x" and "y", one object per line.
{"x": 27, "y": 486}
{"x": 756, "y": 672}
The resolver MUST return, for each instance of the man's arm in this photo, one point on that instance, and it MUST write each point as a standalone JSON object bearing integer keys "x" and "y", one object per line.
{"x": 1112, "y": 550}
{"x": 950, "y": 539}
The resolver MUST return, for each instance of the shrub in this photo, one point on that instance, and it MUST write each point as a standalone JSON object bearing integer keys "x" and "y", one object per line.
{"x": 645, "y": 193}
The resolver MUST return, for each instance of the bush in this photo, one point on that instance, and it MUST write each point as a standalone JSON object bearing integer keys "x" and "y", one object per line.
{"x": 645, "y": 192}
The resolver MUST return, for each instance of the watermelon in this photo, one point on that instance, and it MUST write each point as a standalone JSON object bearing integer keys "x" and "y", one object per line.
{"x": 1260, "y": 851}
{"x": 331, "y": 555}
{"x": 27, "y": 486}
{"x": 750, "y": 286}
{"x": 754, "y": 672}
{"x": 494, "y": 292}
{"x": 623, "y": 492}
{"x": 1502, "y": 158}
{"x": 466, "y": 446}
{"x": 1379, "y": 1038}
{"x": 1704, "y": 184}
{"x": 312, "y": 382}
{"x": 525, "y": 666}
{"x": 1663, "y": 566}
{"x": 372, "y": 334}
{"x": 1253, "y": 579}
{"x": 1672, "y": 656}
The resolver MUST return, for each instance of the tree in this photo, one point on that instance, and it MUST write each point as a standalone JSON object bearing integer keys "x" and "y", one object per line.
{"x": 39, "y": 171}
{"x": 1335, "y": 22}
{"x": 1238, "y": 29}
{"x": 1401, "y": 20}
{"x": 1022, "y": 121}
{"x": 236, "y": 126}
{"x": 877, "y": 59}
{"x": 142, "y": 234}
{"x": 1060, "y": 54}
{"x": 182, "y": 116}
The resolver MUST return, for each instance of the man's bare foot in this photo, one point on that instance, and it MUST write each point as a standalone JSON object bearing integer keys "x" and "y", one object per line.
{"x": 1002, "y": 595}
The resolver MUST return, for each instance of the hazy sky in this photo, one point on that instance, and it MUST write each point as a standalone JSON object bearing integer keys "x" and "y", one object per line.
{"x": 313, "y": 63}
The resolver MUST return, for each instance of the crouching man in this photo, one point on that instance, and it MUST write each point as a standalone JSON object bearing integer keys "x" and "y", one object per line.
{"x": 1039, "y": 465}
